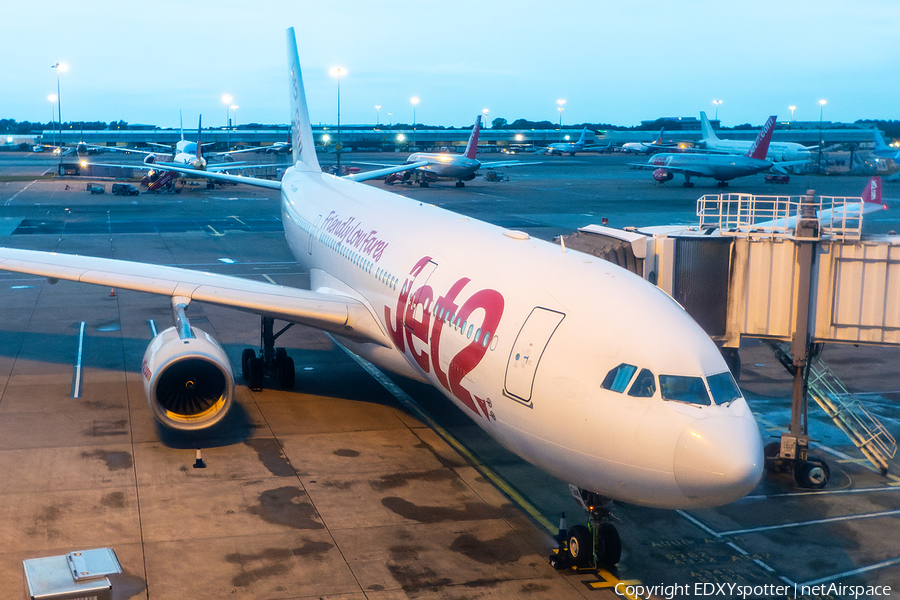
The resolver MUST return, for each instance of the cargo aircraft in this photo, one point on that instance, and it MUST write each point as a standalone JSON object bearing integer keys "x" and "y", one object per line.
{"x": 578, "y": 366}
{"x": 428, "y": 167}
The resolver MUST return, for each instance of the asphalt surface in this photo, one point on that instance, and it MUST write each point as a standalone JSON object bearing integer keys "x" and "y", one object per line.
{"x": 337, "y": 489}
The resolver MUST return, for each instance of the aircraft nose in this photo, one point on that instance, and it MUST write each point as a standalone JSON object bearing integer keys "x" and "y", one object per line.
{"x": 719, "y": 459}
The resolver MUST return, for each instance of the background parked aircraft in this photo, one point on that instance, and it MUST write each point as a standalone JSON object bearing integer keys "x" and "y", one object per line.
{"x": 721, "y": 167}
{"x": 569, "y": 148}
{"x": 427, "y": 167}
{"x": 778, "y": 151}
{"x": 658, "y": 145}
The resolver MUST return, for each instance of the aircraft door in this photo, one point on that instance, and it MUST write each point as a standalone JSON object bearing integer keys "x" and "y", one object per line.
{"x": 416, "y": 305}
{"x": 527, "y": 351}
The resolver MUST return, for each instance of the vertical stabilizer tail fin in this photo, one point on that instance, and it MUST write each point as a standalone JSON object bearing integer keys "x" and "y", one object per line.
{"x": 706, "y": 129}
{"x": 472, "y": 146}
{"x": 760, "y": 146}
{"x": 659, "y": 140}
{"x": 871, "y": 194}
{"x": 303, "y": 147}
{"x": 583, "y": 137}
{"x": 880, "y": 146}
{"x": 199, "y": 142}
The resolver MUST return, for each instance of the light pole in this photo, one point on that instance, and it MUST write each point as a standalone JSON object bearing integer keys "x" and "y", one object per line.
{"x": 337, "y": 72}
{"x": 415, "y": 101}
{"x": 560, "y": 102}
{"x": 59, "y": 67}
{"x": 52, "y": 99}
{"x": 234, "y": 108}
{"x": 485, "y": 111}
{"x": 793, "y": 108}
{"x": 717, "y": 103}
{"x": 822, "y": 104}
{"x": 226, "y": 99}
{"x": 377, "y": 115}
{"x": 390, "y": 120}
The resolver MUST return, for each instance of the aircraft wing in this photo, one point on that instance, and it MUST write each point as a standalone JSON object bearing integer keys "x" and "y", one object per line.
{"x": 327, "y": 311}
{"x": 383, "y": 172}
{"x": 509, "y": 163}
{"x": 256, "y": 181}
{"x": 780, "y": 167}
{"x": 129, "y": 150}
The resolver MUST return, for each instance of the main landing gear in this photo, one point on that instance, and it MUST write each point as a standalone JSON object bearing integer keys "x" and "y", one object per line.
{"x": 271, "y": 361}
{"x": 591, "y": 547}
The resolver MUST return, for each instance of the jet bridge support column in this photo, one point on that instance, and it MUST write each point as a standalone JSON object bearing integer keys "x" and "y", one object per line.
{"x": 794, "y": 446}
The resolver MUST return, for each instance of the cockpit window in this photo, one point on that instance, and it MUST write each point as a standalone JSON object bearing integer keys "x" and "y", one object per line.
{"x": 684, "y": 389}
{"x": 723, "y": 388}
{"x": 618, "y": 377}
{"x": 644, "y": 385}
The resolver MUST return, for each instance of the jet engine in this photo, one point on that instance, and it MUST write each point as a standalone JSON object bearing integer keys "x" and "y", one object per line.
{"x": 150, "y": 159}
{"x": 662, "y": 175}
{"x": 187, "y": 379}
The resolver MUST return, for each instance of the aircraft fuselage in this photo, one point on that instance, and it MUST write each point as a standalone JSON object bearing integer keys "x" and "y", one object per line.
{"x": 522, "y": 336}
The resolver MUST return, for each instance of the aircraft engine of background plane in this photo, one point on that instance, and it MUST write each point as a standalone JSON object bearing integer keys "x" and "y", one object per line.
{"x": 661, "y": 175}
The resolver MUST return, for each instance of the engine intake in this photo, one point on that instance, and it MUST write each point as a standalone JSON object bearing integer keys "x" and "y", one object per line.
{"x": 188, "y": 382}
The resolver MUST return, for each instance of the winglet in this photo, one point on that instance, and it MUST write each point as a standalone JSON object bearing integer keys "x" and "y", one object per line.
{"x": 872, "y": 192}
{"x": 303, "y": 147}
{"x": 472, "y": 146}
{"x": 760, "y": 146}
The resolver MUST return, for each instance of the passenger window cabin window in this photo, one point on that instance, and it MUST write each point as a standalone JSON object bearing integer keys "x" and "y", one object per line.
{"x": 684, "y": 389}
{"x": 644, "y": 385}
{"x": 618, "y": 377}
{"x": 723, "y": 388}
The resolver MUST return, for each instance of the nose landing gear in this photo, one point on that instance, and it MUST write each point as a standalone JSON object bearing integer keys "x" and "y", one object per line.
{"x": 597, "y": 545}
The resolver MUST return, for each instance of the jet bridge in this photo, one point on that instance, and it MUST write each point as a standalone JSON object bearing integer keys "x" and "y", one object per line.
{"x": 795, "y": 271}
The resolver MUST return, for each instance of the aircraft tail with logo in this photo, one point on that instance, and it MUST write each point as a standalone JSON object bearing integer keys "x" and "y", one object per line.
{"x": 760, "y": 147}
{"x": 472, "y": 146}
{"x": 303, "y": 148}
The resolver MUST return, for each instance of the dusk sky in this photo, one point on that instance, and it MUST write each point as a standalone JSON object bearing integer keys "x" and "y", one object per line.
{"x": 613, "y": 62}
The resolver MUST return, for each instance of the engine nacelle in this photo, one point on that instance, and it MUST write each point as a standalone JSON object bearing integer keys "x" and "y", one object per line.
{"x": 150, "y": 159}
{"x": 662, "y": 175}
{"x": 188, "y": 382}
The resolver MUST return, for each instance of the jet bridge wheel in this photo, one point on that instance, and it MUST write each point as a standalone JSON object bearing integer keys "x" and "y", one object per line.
{"x": 812, "y": 473}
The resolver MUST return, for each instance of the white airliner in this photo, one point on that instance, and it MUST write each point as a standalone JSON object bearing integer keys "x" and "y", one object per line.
{"x": 569, "y": 148}
{"x": 658, "y": 145}
{"x": 721, "y": 167}
{"x": 882, "y": 150}
{"x": 778, "y": 151}
{"x": 428, "y": 167}
{"x": 571, "y": 362}
{"x": 187, "y": 153}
